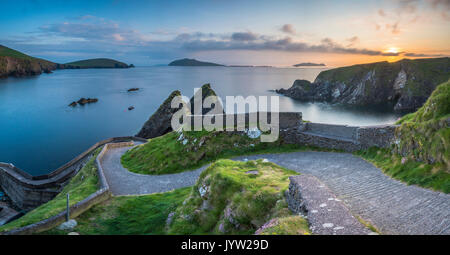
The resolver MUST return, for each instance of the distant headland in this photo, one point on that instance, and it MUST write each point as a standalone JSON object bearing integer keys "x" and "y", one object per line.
{"x": 191, "y": 62}
{"x": 97, "y": 63}
{"x": 17, "y": 64}
{"x": 309, "y": 64}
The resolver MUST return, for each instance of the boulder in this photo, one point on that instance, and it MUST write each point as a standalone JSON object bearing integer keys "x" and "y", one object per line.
{"x": 68, "y": 225}
{"x": 160, "y": 122}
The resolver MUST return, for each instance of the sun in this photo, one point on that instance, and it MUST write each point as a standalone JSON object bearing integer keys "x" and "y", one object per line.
{"x": 393, "y": 50}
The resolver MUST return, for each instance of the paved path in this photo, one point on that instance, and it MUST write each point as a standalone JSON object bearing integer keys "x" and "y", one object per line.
{"x": 327, "y": 215}
{"x": 123, "y": 182}
{"x": 391, "y": 206}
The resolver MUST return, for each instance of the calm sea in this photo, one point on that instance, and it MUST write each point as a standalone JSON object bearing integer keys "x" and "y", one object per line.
{"x": 39, "y": 132}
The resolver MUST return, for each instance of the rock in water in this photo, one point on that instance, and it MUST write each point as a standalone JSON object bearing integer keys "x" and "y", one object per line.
{"x": 133, "y": 89}
{"x": 130, "y": 108}
{"x": 84, "y": 101}
{"x": 73, "y": 104}
{"x": 160, "y": 122}
{"x": 206, "y": 91}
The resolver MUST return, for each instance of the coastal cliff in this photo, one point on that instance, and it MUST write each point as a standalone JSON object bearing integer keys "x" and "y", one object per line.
{"x": 17, "y": 64}
{"x": 405, "y": 84}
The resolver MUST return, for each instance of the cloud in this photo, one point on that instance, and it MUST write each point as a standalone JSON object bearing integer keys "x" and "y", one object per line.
{"x": 394, "y": 28}
{"x": 265, "y": 43}
{"x": 288, "y": 29}
{"x": 418, "y": 55}
{"x": 352, "y": 41}
{"x": 91, "y": 28}
{"x": 244, "y": 36}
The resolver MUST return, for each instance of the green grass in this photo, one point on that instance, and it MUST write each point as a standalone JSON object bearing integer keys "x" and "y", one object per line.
{"x": 289, "y": 225}
{"x": 235, "y": 201}
{"x": 434, "y": 176}
{"x": 97, "y": 63}
{"x": 129, "y": 215}
{"x": 166, "y": 154}
{"x": 80, "y": 187}
{"x": 425, "y": 134}
{"x": 254, "y": 199}
{"x": 7, "y": 52}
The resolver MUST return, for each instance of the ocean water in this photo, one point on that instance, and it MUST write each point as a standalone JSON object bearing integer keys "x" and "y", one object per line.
{"x": 39, "y": 131}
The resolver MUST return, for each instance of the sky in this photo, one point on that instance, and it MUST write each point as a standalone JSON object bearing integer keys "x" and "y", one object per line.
{"x": 231, "y": 32}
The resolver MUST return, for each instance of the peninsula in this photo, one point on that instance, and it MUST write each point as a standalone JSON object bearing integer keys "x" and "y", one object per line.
{"x": 17, "y": 64}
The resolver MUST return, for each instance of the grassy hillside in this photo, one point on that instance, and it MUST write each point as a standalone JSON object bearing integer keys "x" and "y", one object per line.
{"x": 97, "y": 63}
{"x": 8, "y": 52}
{"x": 176, "y": 152}
{"x": 80, "y": 187}
{"x": 232, "y": 197}
{"x": 129, "y": 215}
{"x": 421, "y": 152}
{"x": 15, "y": 63}
{"x": 425, "y": 134}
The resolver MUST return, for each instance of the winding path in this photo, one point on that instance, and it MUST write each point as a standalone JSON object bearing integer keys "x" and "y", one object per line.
{"x": 391, "y": 206}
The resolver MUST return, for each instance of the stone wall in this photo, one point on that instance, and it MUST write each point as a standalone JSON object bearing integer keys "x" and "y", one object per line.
{"x": 102, "y": 194}
{"x": 28, "y": 192}
{"x": 340, "y": 137}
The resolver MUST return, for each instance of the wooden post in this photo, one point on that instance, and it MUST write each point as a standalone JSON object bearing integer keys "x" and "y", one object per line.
{"x": 68, "y": 208}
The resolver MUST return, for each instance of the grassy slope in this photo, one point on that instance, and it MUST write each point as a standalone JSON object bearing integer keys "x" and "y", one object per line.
{"x": 424, "y": 139}
{"x": 148, "y": 214}
{"x": 25, "y": 61}
{"x": 80, "y": 187}
{"x": 7, "y": 52}
{"x": 234, "y": 200}
{"x": 129, "y": 214}
{"x": 167, "y": 154}
{"x": 432, "y": 176}
{"x": 429, "y": 129}
{"x": 98, "y": 63}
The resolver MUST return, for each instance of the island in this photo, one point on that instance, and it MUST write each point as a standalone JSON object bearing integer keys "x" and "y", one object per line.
{"x": 17, "y": 64}
{"x": 191, "y": 62}
{"x": 97, "y": 63}
{"x": 308, "y": 64}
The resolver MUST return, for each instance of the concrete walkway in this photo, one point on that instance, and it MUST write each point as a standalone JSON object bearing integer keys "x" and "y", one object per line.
{"x": 391, "y": 206}
{"x": 123, "y": 182}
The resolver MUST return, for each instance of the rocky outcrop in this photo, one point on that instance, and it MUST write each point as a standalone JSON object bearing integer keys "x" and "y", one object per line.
{"x": 205, "y": 91}
{"x": 404, "y": 85}
{"x": 83, "y": 101}
{"x": 160, "y": 122}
